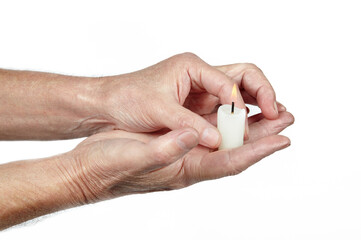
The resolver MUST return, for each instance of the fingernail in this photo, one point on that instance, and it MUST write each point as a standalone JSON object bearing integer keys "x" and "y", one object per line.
{"x": 210, "y": 137}
{"x": 290, "y": 119}
{"x": 275, "y": 107}
{"x": 281, "y": 107}
{"x": 187, "y": 140}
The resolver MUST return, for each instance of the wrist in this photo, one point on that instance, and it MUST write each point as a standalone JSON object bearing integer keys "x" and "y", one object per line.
{"x": 86, "y": 103}
{"x": 116, "y": 98}
{"x": 71, "y": 171}
{"x": 32, "y": 188}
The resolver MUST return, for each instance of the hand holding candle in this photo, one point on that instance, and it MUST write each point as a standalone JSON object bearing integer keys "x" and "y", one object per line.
{"x": 179, "y": 93}
{"x": 231, "y": 123}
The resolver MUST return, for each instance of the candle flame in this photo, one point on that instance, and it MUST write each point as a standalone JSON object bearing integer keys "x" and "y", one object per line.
{"x": 234, "y": 93}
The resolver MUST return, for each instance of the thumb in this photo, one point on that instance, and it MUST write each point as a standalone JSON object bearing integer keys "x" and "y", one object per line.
{"x": 180, "y": 117}
{"x": 168, "y": 148}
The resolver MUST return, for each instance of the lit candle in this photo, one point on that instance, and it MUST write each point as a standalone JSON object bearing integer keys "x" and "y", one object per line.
{"x": 230, "y": 123}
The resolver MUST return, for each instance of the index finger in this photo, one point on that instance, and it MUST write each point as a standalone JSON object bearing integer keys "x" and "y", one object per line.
{"x": 205, "y": 77}
{"x": 214, "y": 81}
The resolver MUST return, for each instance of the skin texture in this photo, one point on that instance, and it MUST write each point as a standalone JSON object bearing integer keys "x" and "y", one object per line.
{"x": 122, "y": 163}
{"x": 45, "y": 106}
{"x": 150, "y": 131}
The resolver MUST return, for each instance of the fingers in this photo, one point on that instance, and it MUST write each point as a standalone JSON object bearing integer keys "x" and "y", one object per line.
{"x": 213, "y": 81}
{"x": 251, "y": 100}
{"x": 248, "y": 98}
{"x": 230, "y": 162}
{"x": 266, "y": 127}
{"x": 254, "y": 82}
{"x": 170, "y": 147}
{"x": 157, "y": 153}
{"x": 216, "y": 83}
{"x": 180, "y": 117}
{"x": 257, "y": 85}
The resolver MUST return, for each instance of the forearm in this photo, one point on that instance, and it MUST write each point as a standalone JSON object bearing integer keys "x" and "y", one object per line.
{"x": 32, "y": 188}
{"x": 36, "y": 105}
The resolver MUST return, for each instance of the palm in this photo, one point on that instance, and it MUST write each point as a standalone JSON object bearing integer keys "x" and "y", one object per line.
{"x": 183, "y": 172}
{"x": 201, "y": 163}
{"x": 177, "y": 175}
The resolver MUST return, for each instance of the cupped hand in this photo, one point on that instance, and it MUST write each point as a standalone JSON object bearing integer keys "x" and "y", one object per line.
{"x": 177, "y": 92}
{"x": 118, "y": 163}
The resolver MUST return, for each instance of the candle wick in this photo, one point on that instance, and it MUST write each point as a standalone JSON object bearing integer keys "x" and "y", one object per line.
{"x": 232, "y": 111}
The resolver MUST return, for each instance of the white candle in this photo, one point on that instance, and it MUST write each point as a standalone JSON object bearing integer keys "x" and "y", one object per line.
{"x": 231, "y": 126}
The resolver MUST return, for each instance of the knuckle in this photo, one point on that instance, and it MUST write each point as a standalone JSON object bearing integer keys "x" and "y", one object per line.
{"x": 290, "y": 119}
{"x": 257, "y": 154}
{"x": 160, "y": 156}
{"x": 251, "y": 66}
{"x": 185, "y": 120}
{"x": 265, "y": 129}
{"x": 187, "y": 56}
{"x": 236, "y": 167}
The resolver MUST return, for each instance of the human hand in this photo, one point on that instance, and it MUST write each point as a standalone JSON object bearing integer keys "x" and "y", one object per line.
{"x": 118, "y": 163}
{"x": 177, "y": 92}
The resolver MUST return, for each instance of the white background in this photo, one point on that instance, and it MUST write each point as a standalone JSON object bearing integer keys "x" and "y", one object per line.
{"x": 309, "y": 50}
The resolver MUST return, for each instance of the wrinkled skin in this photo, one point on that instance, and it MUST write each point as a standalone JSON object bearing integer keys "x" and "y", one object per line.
{"x": 175, "y": 92}
{"x": 120, "y": 163}
{"x": 149, "y": 130}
